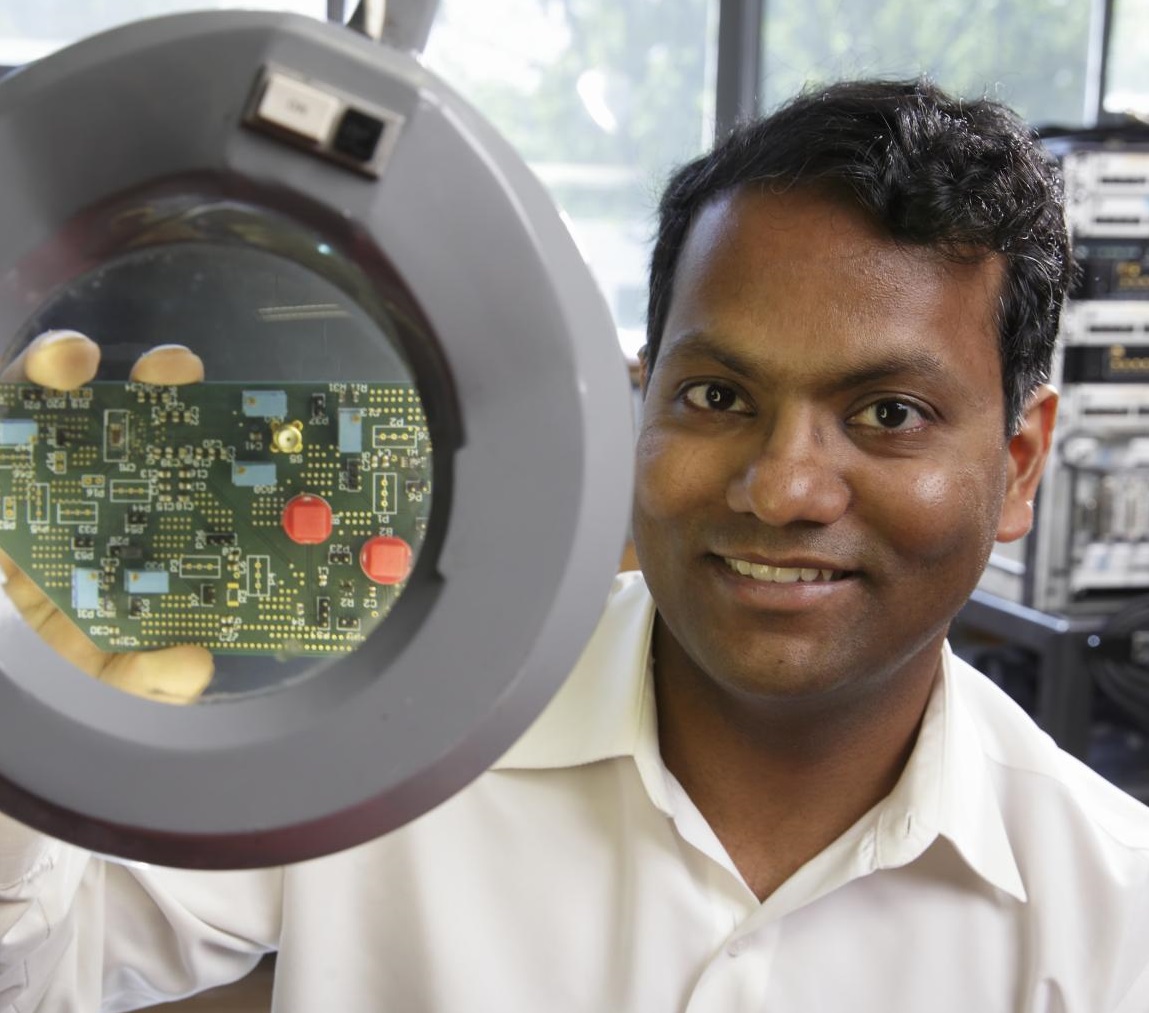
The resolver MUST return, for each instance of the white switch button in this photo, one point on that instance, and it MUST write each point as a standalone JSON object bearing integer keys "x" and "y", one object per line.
{"x": 298, "y": 107}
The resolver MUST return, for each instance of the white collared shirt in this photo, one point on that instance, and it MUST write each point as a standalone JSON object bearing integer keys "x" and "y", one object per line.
{"x": 1000, "y": 876}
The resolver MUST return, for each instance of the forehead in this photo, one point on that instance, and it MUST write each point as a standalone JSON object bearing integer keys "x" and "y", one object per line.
{"x": 803, "y": 271}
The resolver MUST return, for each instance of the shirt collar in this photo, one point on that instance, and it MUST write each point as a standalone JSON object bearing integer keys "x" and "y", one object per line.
{"x": 970, "y": 813}
{"x": 946, "y": 790}
{"x": 606, "y": 709}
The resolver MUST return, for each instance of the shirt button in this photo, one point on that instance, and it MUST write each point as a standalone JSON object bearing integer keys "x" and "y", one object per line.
{"x": 737, "y": 947}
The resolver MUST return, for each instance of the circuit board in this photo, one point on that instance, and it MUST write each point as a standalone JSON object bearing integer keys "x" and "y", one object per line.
{"x": 249, "y": 518}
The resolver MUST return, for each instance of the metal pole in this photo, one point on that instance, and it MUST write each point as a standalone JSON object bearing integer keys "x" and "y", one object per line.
{"x": 739, "y": 68}
{"x": 1097, "y": 61}
{"x": 405, "y": 24}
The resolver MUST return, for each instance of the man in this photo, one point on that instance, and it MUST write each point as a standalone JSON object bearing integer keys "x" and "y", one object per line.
{"x": 767, "y": 785}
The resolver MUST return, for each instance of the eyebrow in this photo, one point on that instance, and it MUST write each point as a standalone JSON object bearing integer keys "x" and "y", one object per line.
{"x": 894, "y": 363}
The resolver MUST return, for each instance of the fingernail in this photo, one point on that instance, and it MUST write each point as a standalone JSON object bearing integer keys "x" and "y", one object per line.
{"x": 53, "y": 337}
{"x": 155, "y": 348}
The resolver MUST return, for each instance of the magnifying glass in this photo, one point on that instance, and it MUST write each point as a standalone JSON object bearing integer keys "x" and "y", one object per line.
{"x": 392, "y": 508}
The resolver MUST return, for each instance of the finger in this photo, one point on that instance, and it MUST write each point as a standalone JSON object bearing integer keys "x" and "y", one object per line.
{"x": 20, "y": 588}
{"x": 62, "y": 360}
{"x": 172, "y": 675}
{"x": 169, "y": 365}
{"x": 8, "y": 569}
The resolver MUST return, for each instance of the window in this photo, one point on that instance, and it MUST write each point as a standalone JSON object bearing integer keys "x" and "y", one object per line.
{"x": 602, "y": 98}
{"x": 1127, "y": 88}
{"x": 1031, "y": 54}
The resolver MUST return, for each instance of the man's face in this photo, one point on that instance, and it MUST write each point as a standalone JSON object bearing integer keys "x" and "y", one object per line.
{"x": 822, "y": 467}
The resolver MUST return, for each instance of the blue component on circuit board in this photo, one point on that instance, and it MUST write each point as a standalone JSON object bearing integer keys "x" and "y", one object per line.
{"x": 85, "y": 588}
{"x": 17, "y": 432}
{"x": 146, "y": 581}
{"x": 350, "y": 431}
{"x": 248, "y": 474}
{"x": 265, "y": 404}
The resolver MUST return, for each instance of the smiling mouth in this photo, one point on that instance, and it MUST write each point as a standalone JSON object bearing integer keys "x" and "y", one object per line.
{"x": 782, "y": 574}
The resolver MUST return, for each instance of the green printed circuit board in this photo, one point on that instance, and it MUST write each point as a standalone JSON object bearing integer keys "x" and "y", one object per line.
{"x": 249, "y": 518}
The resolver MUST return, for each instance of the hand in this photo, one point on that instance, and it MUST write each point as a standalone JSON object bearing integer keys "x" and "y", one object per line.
{"x": 65, "y": 360}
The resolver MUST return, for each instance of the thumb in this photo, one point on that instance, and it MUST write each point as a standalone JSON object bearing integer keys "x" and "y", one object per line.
{"x": 171, "y": 675}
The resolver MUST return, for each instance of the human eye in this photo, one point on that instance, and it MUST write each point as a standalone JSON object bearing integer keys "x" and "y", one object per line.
{"x": 714, "y": 397}
{"x": 893, "y": 415}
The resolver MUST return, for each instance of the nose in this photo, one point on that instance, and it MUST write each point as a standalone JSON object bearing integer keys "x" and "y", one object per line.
{"x": 791, "y": 476}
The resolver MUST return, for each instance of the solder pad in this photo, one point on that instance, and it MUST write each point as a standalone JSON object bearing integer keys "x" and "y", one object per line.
{"x": 154, "y": 516}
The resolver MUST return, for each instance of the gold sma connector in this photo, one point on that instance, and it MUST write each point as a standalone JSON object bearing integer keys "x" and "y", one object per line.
{"x": 287, "y": 437}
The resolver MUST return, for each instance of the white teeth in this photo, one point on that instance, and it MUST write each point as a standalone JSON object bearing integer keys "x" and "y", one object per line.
{"x": 778, "y": 574}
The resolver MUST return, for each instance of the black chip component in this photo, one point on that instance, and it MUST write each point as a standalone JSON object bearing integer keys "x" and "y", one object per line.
{"x": 318, "y": 405}
{"x": 83, "y": 542}
{"x": 220, "y": 538}
{"x": 126, "y": 551}
{"x": 340, "y": 555}
{"x": 352, "y": 477}
{"x": 136, "y": 607}
{"x": 207, "y": 594}
{"x": 323, "y": 612}
{"x": 348, "y": 623}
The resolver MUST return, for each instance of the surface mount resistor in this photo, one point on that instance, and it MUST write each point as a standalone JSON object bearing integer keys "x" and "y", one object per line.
{"x": 116, "y": 447}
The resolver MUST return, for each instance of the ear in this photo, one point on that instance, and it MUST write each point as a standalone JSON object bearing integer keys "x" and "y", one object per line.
{"x": 1028, "y": 451}
{"x": 643, "y": 368}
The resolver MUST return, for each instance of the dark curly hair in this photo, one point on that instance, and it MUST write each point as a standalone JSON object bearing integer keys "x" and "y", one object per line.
{"x": 965, "y": 178}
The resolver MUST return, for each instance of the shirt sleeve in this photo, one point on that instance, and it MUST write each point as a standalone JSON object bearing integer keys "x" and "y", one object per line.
{"x": 79, "y": 932}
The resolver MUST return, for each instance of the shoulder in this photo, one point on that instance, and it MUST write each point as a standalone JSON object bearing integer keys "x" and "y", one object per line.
{"x": 1081, "y": 846}
{"x": 1035, "y": 777}
{"x": 598, "y": 712}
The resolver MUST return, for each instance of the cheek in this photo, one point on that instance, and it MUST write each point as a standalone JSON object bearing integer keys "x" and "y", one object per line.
{"x": 670, "y": 476}
{"x": 944, "y": 512}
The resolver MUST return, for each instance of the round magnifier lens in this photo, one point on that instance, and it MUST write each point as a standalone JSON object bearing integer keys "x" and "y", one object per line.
{"x": 268, "y": 515}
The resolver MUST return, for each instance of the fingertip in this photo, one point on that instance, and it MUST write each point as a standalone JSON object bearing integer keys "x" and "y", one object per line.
{"x": 169, "y": 365}
{"x": 176, "y": 675}
{"x": 61, "y": 360}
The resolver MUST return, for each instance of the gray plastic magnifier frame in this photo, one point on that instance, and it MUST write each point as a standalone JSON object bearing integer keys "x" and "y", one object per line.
{"x": 525, "y": 383}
